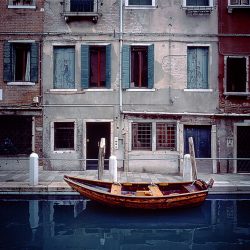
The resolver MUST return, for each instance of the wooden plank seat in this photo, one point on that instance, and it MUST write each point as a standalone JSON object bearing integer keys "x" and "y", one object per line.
{"x": 116, "y": 188}
{"x": 155, "y": 190}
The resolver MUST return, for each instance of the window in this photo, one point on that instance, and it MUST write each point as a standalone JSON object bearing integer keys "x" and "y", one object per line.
{"x": 20, "y": 62}
{"x": 197, "y": 67}
{"x": 236, "y": 74}
{"x": 165, "y": 136}
{"x": 21, "y": 3}
{"x": 197, "y": 2}
{"x": 239, "y": 2}
{"x": 138, "y": 66}
{"x": 64, "y": 136}
{"x": 16, "y": 135}
{"x": 140, "y": 2}
{"x": 96, "y": 66}
{"x": 141, "y": 136}
{"x": 144, "y": 132}
{"x": 64, "y": 67}
{"x": 80, "y": 6}
{"x": 198, "y": 7}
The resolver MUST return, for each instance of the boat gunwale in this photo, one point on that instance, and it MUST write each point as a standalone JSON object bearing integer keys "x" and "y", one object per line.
{"x": 68, "y": 179}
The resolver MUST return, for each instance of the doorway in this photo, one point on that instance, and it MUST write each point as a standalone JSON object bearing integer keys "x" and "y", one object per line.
{"x": 94, "y": 132}
{"x": 243, "y": 149}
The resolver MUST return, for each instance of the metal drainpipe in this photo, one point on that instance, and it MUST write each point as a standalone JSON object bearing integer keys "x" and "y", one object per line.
{"x": 120, "y": 61}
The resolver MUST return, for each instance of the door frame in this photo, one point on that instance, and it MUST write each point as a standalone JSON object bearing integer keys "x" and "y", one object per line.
{"x": 84, "y": 141}
{"x": 213, "y": 144}
{"x": 235, "y": 128}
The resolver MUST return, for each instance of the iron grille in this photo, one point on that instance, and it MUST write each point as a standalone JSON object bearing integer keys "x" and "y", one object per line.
{"x": 141, "y": 136}
{"x": 165, "y": 136}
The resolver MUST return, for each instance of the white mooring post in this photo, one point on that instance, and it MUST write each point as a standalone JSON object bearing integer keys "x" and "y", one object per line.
{"x": 33, "y": 169}
{"x": 113, "y": 167}
{"x": 187, "y": 169}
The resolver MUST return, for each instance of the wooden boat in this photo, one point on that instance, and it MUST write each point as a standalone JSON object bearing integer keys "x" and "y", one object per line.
{"x": 142, "y": 195}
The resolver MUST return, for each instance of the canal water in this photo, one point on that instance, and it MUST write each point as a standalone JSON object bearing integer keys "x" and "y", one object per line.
{"x": 221, "y": 222}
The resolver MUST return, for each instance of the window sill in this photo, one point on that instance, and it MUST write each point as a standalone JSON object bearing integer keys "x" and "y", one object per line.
{"x": 98, "y": 89}
{"x": 238, "y": 6}
{"x": 141, "y": 7}
{"x": 198, "y": 10}
{"x": 33, "y": 7}
{"x": 21, "y": 83}
{"x": 237, "y": 93}
{"x": 140, "y": 90}
{"x": 198, "y": 90}
{"x": 63, "y": 90}
{"x": 63, "y": 151}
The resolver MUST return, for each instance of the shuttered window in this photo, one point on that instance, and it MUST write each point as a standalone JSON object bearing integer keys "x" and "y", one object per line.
{"x": 197, "y": 67}
{"x": 64, "y": 67}
{"x": 20, "y": 62}
{"x": 96, "y": 66}
{"x": 137, "y": 66}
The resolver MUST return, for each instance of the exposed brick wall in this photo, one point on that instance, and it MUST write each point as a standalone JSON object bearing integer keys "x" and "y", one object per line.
{"x": 22, "y": 24}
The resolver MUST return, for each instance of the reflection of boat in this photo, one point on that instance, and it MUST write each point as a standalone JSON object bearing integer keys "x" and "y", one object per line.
{"x": 142, "y": 195}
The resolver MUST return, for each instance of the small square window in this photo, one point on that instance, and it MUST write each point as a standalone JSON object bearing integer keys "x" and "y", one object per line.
{"x": 165, "y": 136}
{"x": 64, "y": 136}
{"x": 141, "y": 136}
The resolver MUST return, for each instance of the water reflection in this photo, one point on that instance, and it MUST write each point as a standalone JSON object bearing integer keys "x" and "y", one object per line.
{"x": 220, "y": 223}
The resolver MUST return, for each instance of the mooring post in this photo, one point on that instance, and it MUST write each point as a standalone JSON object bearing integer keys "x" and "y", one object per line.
{"x": 33, "y": 169}
{"x": 192, "y": 157}
{"x": 187, "y": 169}
{"x": 101, "y": 158}
{"x": 113, "y": 167}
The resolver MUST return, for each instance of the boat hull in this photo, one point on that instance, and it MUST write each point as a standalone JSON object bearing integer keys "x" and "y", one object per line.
{"x": 140, "y": 202}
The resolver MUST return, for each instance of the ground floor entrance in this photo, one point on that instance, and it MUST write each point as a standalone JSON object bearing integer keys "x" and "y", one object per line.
{"x": 94, "y": 132}
{"x": 243, "y": 149}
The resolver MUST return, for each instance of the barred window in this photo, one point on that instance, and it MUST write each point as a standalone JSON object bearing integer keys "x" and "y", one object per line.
{"x": 64, "y": 135}
{"x": 165, "y": 136}
{"x": 141, "y": 136}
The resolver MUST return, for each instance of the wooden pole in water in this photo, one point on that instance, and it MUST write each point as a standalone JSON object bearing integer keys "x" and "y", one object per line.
{"x": 101, "y": 155}
{"x": 192, "y": 157}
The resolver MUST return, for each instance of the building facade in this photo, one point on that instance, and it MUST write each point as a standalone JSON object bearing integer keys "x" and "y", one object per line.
{"x": 142, "y": 74}
{"x": 21, "y": 32}
{"x": 234, "y": 104}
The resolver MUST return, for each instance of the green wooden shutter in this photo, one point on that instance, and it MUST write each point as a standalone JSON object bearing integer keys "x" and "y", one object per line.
{"x": 125, "y": 66}
{"x": 7, "y": 62}
{"x": 151, "y": 66}
{"x": 85, "y": 66}
{"x": 34, "y": 52}
{"x": 108, "y": 66}
{"x": 197, "y": 67}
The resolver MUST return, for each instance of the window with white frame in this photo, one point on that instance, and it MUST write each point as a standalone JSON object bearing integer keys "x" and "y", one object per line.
{"x": 144, "y": 132}
{"x": 197, "y": 67}
{"x": 64, "y": 136}
{"x": 208, "y": 3}
{"x": 140, "y": 3}
{"x": 239, "y": 2}
{"x": 80, "y": 6}
{"x": 236, "y": 72}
